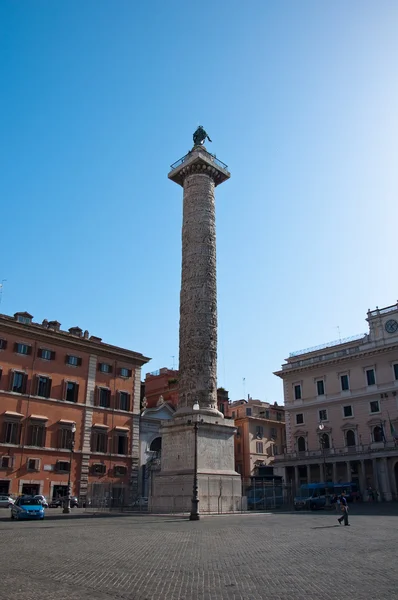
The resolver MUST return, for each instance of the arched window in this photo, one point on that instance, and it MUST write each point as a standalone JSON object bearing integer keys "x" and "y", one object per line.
{"x": 377, "y": 434}
{"x": 156, "y": 445}
{"x": 350, "y": 438}
{"x": 301, "y": 444}
{"x": 325, "y": 441}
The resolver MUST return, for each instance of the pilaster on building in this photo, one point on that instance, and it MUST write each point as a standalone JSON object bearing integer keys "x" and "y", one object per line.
{"x": 341, "y": 406}
{"x": 52, "y": 382}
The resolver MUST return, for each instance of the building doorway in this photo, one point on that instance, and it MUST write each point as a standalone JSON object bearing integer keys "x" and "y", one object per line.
{"x": 60, "y": 491}
{"x": 30, "y": 489}
{"x": 4, "y": 487}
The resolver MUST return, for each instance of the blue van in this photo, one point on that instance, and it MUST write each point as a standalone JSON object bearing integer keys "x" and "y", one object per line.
{"x": 313, "y": 495}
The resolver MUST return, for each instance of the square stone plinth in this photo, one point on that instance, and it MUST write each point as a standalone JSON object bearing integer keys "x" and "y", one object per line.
{"x": 219, "y": 486}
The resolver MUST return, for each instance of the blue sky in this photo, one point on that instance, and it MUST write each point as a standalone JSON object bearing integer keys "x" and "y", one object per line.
{"x": 99, "y": 97}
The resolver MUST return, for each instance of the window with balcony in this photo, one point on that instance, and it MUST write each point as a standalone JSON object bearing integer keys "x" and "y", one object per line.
{"x": 374, "y": 406}
{"x": 297, "y": 391}
{"x": 274, "y": 433}
{"x": 99, "y": 441}
{"x": 37, "y": 435}
{"x": 347, "y": 411}
{"x": 104, "y": 397}
{"x": 344, "y": 383}
{"x": 320, "y": 387}
{"x": 11, "y": 432}
{"x": 71, "y": 391}
{"x": 259, "y": 448}
{"x": 370, "y": 377}
{"x": 18, "y": 383}
{"x": 259, "y": 432}
{"x": 43, "y": 386}
{"x": 350, "y": 438}
{"x": 299, "y": 419}
{"x": 323, "y": 414}
{"x": 301, "y": 444}
{"x": 124, "y": 401}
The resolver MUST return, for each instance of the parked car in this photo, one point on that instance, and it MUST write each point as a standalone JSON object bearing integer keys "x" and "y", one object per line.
{"x": 6, "y": 501}
{"x": 27, "y": 507}
{"x": 57, "y": 502}
{"x": 42, "y": 499}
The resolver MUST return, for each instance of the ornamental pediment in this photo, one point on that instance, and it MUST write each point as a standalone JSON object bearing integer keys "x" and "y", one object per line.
{"x": 300, "y": 432}
{"x": 349, "y": 425}
{"x": 373, "y": 422}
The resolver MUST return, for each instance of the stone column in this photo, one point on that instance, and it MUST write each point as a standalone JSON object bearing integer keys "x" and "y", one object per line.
{"x": 308, "y": 473}
{"x": 334, "y": 472}
{"x": 199, "y": 173}
{"x": 376, "y": 481}
{"x": 386, "y": 487}
{"x": 362, "y": 479}
{"x": 348, "y": 466}
{"x": 296, "y": 479}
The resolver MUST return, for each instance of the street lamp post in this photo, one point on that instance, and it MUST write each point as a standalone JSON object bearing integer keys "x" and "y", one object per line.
{"x": 321, "y": 427}
{"x": 72, "y": 446}
{"x": 194, "y": 516}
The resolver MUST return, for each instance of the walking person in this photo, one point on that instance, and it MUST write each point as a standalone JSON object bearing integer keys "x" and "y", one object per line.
{"x": 344, "y": 508}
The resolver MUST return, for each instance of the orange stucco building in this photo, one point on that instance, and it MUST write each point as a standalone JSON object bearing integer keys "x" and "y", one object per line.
{"x": 53, "y": 382}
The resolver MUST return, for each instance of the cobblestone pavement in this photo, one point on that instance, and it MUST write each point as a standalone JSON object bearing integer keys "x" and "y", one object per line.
{"x": 256, "y": 556}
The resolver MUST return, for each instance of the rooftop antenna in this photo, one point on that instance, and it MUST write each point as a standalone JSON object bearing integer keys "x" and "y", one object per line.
{"x": 244, "y": 387}
{"x": 173, "y": 361}
{"x": 1, "y": 289}
{"x": 338, "y": 329}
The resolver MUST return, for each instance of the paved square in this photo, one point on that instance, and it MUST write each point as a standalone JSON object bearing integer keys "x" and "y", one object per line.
{"x": 297, "y": 556}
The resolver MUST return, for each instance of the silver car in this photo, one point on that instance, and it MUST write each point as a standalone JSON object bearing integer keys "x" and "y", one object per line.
{"x": 42, "y": 499}
{"x": 6, "y": 502}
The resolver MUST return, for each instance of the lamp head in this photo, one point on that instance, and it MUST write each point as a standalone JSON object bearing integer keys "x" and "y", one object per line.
{"x": 196, "y": 406}
{"x": 74, "y": 428}
{"x": 321, "y": 426}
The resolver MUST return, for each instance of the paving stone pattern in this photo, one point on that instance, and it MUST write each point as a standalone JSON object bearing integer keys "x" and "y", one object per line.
{"x": 252, "y": 557}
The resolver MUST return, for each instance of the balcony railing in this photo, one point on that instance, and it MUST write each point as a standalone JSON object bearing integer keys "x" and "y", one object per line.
{"x": 383, "y": 311}
{"x": 212, "y": 157}
{"x": 353, "y": 338}
{"x": 373, "y": 448}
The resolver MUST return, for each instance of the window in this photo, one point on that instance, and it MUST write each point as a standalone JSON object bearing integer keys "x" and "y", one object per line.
{"x": 23, "y": 349}
{"x": 347, "y": 411}
{"x": 71, "y": 391}
{"x": 259, "y": 432}
{"x": 104, "y": 397}
{"x": 37, "y": 435}
{"x": 105, "y": 368}
{"x": 121, "y": 440}
{"x": 6, "y": 462}
{"x": 320, "y": 387}
{"x": 350, "y": 438}
{"x": 3, "y": 344}
{"x": 325, "y": 441}
{"x": 98, "y": 469}
{"x": 344, "y": 382}
{"x": 274, "y": 433}
{"x": 74, "y": 361}
{"x": 43, "y": 387}
{"x": 395, "y": 368}
{"x": 125, "y": 372}
{"x": 233, "y": 414}
{"x": 63, "y": 466}
{"x": 18, "y": 384}
{"x": 259, "y": 448}
{"x": 11, "y": 432}
{"x": 267, "y": 414}
{"x": 99, "y": 441}
{"x": 301, "y": 444}
{"x": 221, "y": 408}
{"x": 297, "y": 392}
{"x": 124, "y": 401}
{"x": 33, "y": 464}
{"x": 299, "y": 419}
{"x": 65, "y": 438}
{"x": 378, "y": 435}
{"x": 25, "y": 320}
{"x": 46, "y": 354}
{"x": 120, "y": 470}
{"x": 279, "y": 416}
{"x": 374, "y": 406}
{"x": 370, "y": 376}
{"x": 248, "y": 412}
{"x": 323, "y": 414}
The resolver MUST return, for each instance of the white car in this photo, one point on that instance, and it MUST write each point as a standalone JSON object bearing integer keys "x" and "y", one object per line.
{"x": 6, "y": 502}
